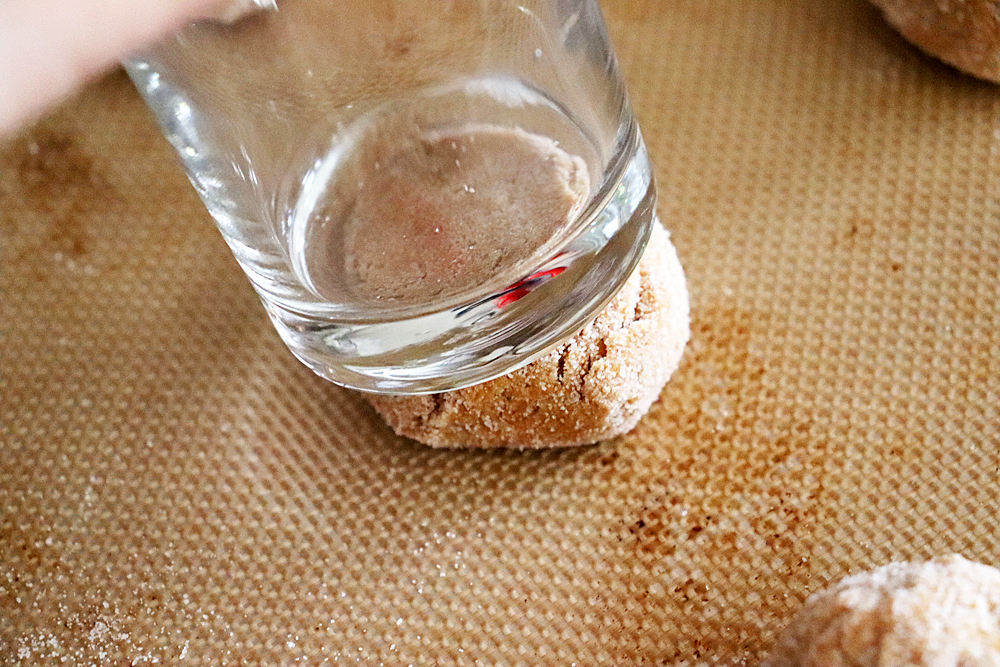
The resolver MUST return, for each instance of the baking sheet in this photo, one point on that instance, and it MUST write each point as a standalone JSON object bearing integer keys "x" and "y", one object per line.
{"x": 176, "y": 489}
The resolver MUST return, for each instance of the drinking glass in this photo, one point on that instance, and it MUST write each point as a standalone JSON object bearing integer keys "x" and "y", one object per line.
{"x": 425, "y": 195}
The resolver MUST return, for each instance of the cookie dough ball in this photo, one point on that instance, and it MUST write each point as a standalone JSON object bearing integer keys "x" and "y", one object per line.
{"x": 942, "y": 613}
{"x": 962, "y": 33}
{"x": 595, "y": 386}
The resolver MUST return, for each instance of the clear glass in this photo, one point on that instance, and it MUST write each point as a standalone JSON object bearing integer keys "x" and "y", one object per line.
{"x": 425, "y": 195}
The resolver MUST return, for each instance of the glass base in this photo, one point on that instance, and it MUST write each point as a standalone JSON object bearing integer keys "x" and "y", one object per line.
{"x": 477, "y": 341}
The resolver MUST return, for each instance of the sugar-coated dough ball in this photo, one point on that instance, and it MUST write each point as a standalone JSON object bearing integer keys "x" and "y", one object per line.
{"x": 595, "y": 386}
{"x": 962, "y": 33}
{"x": 941, "y": 613}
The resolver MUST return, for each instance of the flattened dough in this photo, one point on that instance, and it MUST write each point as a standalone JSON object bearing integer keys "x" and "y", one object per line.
{"x": 597, "y": 385}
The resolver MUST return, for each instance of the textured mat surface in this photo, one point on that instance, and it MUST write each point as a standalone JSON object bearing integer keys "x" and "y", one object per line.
{"x": 176, "y": 489}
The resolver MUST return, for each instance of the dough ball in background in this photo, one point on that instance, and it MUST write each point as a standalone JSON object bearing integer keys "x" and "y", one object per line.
{"x": 595, "y": 386}
{"x": 940, "y": 613}
{"x": 962, "y": 33}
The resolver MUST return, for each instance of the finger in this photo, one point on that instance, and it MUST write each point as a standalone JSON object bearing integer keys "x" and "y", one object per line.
{"x": 48, "y": 47}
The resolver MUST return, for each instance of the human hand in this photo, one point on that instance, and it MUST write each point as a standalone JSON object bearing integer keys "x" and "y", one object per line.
{"x": 49, "y": 47}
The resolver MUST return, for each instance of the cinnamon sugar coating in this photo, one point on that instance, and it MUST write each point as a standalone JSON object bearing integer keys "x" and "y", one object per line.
{"x": 595, "y": 386}
{"x": 942, "y": 613}
{"x": 962, "y": 33}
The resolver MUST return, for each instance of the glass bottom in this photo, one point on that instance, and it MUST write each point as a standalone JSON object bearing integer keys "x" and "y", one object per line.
{"x": 477, "y": 341}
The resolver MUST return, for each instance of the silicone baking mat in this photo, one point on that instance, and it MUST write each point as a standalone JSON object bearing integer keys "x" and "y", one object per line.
{"x": 176, "y": 489}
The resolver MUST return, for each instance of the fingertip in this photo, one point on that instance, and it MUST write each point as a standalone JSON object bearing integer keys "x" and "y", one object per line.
{"x": 50, "y": 47}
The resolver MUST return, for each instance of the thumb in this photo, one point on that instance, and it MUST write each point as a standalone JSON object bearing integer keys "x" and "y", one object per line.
{"x": 49, "y": 47}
